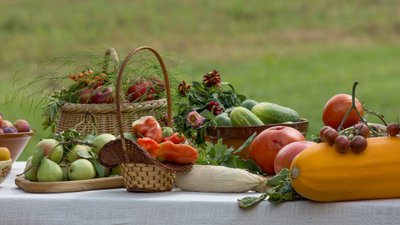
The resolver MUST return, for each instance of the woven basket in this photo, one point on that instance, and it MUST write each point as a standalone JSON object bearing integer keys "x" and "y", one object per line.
{"x": 102, "y": 118}
{"x": 141, "y": 173}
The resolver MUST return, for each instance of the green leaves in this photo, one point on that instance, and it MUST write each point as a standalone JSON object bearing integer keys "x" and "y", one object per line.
{"x": 280, "y": 191}
{"x": 220, "y": 154}
{"x": 198, "y": 97}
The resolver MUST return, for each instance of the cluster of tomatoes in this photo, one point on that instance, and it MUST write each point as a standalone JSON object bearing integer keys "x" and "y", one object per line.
{"x": 356, "y": 141}
{"x": 336, "y": 117}
{"x": 347, "y": 130}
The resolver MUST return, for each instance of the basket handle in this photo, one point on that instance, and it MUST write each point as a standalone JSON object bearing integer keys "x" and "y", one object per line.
{"x": 110, "y": 56}
{"x": 118, "y": 89}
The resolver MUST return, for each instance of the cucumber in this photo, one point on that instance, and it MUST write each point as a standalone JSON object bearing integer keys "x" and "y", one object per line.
{"x": 240, "y": 116}
{"x": 223, "y": 120}
{"x": 249, "y": 103}
{"x": 271, "y": 113}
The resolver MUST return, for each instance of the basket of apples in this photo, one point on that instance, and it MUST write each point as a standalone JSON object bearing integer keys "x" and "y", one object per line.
{"x": 88, "y": 104}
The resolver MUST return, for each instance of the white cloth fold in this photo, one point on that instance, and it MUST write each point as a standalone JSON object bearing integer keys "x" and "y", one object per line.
{"x": 119, "y": 207}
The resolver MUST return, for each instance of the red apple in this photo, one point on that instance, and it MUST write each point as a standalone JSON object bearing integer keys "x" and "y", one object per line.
{"x": 85, "y": 95}
{"x": 267, "y": 144}
{"x": 102, "y": 94}
{"x": 142, "y": 90}
{"x": 286, "y": 155}
{"x": 22, "y": 125}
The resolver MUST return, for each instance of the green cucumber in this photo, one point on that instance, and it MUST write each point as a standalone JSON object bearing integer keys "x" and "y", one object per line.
{"x": 240, "y": 116}
{"x": 271, "y": 113}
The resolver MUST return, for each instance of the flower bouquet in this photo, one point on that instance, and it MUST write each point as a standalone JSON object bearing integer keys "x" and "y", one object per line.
{"x": 199, "y": 103}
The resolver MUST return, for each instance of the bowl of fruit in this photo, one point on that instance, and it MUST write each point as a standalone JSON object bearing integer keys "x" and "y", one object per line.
{"x": 15, "y": 136}
{"x": 5, "y": 163}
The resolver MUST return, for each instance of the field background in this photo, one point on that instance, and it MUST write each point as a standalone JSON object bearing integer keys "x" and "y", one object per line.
{"x": 294, "y": 53}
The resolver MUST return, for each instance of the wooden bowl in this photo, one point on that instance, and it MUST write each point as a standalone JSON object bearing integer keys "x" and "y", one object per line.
{"x": 15, "y": 143}
{"x": 5, "y": 168}
{"x": 236, "y": 136}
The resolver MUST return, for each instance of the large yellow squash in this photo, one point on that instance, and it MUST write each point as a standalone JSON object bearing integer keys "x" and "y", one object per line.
{"x": 321, "y": 173}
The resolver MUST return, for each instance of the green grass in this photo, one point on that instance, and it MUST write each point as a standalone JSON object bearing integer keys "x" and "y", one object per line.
{"x": 296, "y": 54}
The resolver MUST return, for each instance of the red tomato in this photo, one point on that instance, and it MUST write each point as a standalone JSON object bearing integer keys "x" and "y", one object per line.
{"x": 267, "y": 144}
{"x": 286, "y": 155}
{"x": 335, "y": 110}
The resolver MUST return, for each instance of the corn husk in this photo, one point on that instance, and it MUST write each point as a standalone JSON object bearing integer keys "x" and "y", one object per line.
{"x": 208, "y": 178}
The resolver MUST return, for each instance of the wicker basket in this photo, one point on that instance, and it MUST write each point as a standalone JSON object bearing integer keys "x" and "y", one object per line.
{"x": 102, "y": 118}
{"x": 140, "y": 171}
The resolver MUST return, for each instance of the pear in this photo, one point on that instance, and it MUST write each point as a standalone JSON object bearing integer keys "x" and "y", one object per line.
{"x": 30, "y": 171}
{"x": 78, "y": 151}
{"x": 49, "y": 171}
{"x": 100, "y": 140}
{"x": 51, "y": 148}
{"x": 64, "y": 168}
{"x": 115, "y": 171}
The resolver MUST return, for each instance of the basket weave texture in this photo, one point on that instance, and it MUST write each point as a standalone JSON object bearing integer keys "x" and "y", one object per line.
{"x": 103, "y": 117}
{"x": 141, "y": 173}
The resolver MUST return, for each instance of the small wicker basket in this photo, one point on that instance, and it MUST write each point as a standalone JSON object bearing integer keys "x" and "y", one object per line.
{"x": 103, "y": 117}
{"x": 140, "y": 171}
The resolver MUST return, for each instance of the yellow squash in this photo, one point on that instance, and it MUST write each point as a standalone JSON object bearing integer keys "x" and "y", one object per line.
{"x": 321, "y": 173}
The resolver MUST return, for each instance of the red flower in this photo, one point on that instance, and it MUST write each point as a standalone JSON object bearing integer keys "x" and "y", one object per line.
{"x": 212, "y": 79}
{"x": 215, "y": 108}
{"x": 183, "y": 88}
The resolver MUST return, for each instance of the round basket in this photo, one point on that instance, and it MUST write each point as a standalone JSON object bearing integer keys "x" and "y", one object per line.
{"x": 141, "y": 173}
{"x": 103, "y": 117}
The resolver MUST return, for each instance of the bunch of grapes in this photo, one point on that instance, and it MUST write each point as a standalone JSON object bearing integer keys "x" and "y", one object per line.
{"x": 356, "y": 141}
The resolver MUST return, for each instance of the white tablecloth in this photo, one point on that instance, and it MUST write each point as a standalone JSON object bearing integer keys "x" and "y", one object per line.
{"x": 117, "y": 206}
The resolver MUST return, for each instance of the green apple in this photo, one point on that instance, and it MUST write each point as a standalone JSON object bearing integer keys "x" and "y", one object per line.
{"x": 77, "y": 152}
{"x": 49, "y": 171}
{"x": 81, "y": 169}
{"x": 100, "y": 140}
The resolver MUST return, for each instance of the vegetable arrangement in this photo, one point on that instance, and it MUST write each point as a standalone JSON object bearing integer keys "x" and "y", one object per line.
{"x": 355, "y": 163}
{"x": 213, "y": 103}
{"x": 172, "y": 148}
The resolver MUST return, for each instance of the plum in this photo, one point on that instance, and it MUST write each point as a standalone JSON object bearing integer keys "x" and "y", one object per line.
{"x": 22, "y": 125}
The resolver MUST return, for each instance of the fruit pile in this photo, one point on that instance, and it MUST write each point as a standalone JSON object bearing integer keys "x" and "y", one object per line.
{"x": 68, "y": 156}
{"x": 7, "y": 127}
{"x": 97, "y": 88}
